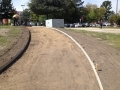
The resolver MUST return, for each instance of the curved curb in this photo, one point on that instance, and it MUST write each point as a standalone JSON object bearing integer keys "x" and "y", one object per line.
{"x": 18, "y": 54}
{"x": 90, "y": 61}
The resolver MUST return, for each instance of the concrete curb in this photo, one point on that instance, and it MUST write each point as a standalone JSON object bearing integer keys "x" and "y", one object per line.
{"x": 18, "y": 54}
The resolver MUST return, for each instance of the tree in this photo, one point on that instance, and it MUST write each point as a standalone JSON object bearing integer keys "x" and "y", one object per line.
{"x": 42, "y": 18}
{"x": 83, "y": 14}
{"x": 71, "y": 12}
{"x": 113, "y": 19}
{"x": 91, "y": 15}
{"x": 25, "y": 16}
{"x": 45, "y": 7}
{"x": 6, "y": 9}
{"x": 79, "y": 3}
{"x": 90, "y": 6}
{"x": 100, "y": 13}
{"x": 56, "y": 9}
{"x": 26, "y": 13}
{"x": 34, "y": 17}
{"x": 108, "y": 6}
{"x": 94, "y": 13}
{"x": 118, "y": 20}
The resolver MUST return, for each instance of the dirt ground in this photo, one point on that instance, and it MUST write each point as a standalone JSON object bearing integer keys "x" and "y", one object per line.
{"x": 101, "y": 53}
{"x": 17, "y": 43}
{"x": 97, "y": 29}
{"x": 53, "y": 62}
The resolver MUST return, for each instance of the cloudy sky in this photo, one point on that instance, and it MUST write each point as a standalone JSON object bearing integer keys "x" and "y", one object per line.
{"x": 17, "y": 4}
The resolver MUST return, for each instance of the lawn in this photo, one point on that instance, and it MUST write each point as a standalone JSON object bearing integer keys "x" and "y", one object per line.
{"x": 8, "y": 36}
{"x": 112, "y": 39}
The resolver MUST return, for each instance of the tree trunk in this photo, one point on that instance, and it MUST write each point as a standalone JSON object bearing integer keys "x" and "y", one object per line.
{"x": 47, "y": 16}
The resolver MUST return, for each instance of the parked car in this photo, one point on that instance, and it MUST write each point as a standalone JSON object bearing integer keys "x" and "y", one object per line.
{"x": 78, "y": 25}
{"x": 31, "y": 23}
{"x": 106, "y": 24}
{"x": 66, "y": 25}
{"x": 72, "y": 25}
{"x": 85, "y": 25}
{"x": 92, "y": 25}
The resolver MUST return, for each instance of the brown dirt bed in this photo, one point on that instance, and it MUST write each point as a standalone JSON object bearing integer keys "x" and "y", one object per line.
{"x": 101, "y": 53}
{"x": 54, "y": 62}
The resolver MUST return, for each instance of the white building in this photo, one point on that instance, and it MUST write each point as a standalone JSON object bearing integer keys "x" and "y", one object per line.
{"x": 58, "y": 23}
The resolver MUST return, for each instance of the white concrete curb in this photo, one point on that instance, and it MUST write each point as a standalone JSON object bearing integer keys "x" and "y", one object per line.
{"x": 91, "y": 63}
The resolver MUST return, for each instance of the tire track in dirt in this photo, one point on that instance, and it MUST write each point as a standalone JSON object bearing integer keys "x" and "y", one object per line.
{"x": 51, "y": 62}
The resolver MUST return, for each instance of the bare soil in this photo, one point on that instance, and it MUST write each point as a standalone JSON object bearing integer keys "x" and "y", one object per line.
{"x": 51, "y": 62}
{"x": 16, "y": 45}
{"x": 54, "y": 62}
{"x": 101, "y": 53}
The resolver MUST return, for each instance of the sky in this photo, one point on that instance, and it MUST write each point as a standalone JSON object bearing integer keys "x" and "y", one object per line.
{"x": 99, "y": 3}
{"x": 17, "y": 4}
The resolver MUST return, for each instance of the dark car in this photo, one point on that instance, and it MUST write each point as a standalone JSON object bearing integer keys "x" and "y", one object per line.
{"x": 66, "y": 25}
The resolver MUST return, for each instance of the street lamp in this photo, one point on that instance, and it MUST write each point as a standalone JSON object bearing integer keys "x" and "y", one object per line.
{"x": 23, "y": 7}
{"x": 21, "y": 18}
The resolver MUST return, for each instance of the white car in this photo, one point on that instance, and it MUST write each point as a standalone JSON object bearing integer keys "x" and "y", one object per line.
{"x": 106, "y": 24}
{"x": 31, "y": 23}
{"x": 78, "y": 25}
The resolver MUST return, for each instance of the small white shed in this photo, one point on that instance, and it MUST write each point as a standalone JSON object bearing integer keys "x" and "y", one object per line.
{"x": 59, "y": 23}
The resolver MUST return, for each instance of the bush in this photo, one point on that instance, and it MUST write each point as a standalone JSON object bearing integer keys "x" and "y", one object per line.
{"x": 118, "y": 20}
{"x": 115, "y": 18}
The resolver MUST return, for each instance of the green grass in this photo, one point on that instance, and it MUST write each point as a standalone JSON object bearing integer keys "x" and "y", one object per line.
{"x": 104, "y": 27}
{"x": 14, "y": 31}
{"x": 109, "y": 27}
{"x": 112, "y": 39}
{"x": 10, "y": 36}
{"x": 3, "y": 40}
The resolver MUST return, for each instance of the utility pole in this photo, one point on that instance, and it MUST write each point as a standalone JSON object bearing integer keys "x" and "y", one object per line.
{"x": 21, "y": 17}
{"x": 117, "y": 7}
{"x": 23, "y": 7}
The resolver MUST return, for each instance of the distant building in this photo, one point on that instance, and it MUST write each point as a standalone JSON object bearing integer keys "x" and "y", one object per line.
{"x": 57, "y": 23}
